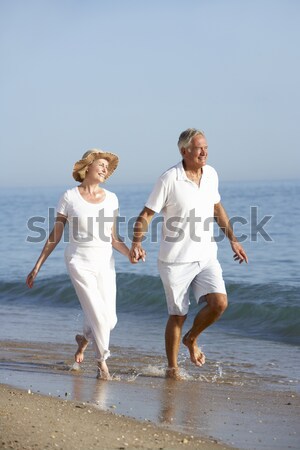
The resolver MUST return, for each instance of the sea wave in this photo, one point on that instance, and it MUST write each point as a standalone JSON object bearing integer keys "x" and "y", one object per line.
{"x": 266, "y": 311}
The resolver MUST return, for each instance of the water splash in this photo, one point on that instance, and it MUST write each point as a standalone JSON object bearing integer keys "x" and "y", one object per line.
{"x": 75, "y": 367}
{"x": 218, "y": 374}
{"x": 133, "y": 377}
{"x": 154, "y": 371}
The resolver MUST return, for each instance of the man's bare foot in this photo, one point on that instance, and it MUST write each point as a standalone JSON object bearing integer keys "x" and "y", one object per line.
{"x": 82, "y": 345}
{"x": 103, "y": 372}
{"x": 197, "y": 357}
{"x": 173, "y": 373}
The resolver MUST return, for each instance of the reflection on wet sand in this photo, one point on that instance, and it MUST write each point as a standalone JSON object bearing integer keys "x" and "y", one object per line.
{"x": 96, "y": 391}
{"x": 179, "y": 406}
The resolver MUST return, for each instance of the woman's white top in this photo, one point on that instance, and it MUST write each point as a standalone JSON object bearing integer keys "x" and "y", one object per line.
{"x": 90, "y": 224}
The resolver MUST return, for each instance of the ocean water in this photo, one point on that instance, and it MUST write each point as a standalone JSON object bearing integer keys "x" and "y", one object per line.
{"x": 256, "y": 339}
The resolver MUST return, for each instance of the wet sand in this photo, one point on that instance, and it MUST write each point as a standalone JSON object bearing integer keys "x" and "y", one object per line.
{"x": 144, "y": 407}
{"x": 34, "y": 421}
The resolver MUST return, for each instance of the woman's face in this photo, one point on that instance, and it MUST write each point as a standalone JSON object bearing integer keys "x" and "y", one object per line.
{"x": 98, "y": 170}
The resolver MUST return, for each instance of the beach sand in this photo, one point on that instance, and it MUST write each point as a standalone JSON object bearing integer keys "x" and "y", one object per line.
{"x": 74, "y": 410}
{"x": 31, "y": 421}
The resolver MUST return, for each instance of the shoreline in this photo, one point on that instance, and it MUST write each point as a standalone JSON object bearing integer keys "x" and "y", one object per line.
{"x": 36, "y": 421}
{"x": 239, "y": 410}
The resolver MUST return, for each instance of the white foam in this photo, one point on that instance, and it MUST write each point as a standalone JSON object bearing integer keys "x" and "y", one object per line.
{"x": 75, "y": 366}
{"x": 154, "y": 371}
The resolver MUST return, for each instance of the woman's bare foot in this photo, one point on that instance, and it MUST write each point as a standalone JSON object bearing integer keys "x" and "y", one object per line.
{"x": 82, "y": 345}
{"x": 173, "y": 373}
{"x": 197, "y": 357}
{"x": 103, "y": 372}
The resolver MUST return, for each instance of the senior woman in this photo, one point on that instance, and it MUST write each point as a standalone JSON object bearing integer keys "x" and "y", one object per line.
{"x": 91, "y": 212}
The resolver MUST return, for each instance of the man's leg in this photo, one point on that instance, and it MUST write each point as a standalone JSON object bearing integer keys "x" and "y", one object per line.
{"x": 172, "y": 341}
{"x": 216, "y": 305}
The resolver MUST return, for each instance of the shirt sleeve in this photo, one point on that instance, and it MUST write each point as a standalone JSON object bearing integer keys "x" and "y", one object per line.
{"x": 158, "y": 197}
{"x": 63, "y": 205}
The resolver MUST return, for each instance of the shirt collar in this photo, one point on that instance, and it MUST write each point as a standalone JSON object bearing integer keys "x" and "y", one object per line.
{"x": 181, "y": 175}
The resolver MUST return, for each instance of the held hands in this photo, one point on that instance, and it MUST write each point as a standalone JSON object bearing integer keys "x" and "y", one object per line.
{"x": 31, "y": 277}
{"x": 239, "y": 253}
{"x": 136, "y": 253}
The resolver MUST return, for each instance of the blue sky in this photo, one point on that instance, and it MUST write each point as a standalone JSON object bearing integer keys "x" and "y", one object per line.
{"x": 129, "y": 76}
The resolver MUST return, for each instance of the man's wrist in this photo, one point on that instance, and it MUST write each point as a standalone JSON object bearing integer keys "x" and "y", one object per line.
{"x": 137, "y": 242}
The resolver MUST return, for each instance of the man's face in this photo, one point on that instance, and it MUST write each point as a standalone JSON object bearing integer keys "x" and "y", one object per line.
{"x": 196, "y": 154}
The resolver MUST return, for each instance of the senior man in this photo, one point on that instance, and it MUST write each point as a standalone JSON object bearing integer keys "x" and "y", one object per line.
{"x": 187, "y": 196}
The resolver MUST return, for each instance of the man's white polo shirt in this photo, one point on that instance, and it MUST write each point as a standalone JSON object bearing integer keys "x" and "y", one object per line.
{"x": 188, "y": 212}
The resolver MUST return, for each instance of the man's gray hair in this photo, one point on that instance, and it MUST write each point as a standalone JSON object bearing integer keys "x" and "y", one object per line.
{"x": 186, "y": 137}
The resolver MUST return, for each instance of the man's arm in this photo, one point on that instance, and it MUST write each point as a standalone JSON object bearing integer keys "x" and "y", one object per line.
{"x": 140, "y": 228}
{"x": 222, "y": 220}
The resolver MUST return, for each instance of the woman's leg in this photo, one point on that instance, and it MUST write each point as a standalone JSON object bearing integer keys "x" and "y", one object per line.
{"x": 82, "y": 343}
{"x": 93, "y": 277}
{"x": 85, "y": 283}
{"x": 107, "y": 291}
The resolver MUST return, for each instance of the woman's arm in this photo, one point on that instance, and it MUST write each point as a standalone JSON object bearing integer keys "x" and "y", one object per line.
{"x": 120, "y": 247}
{"x": 51, "y": 243}
{"x": 117, "y": 243}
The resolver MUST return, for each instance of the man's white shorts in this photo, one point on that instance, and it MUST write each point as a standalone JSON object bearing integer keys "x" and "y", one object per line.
{"x": 177, "y": 278}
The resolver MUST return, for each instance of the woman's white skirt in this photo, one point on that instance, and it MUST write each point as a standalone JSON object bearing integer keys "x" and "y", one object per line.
{"x": 92, "y": 271}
